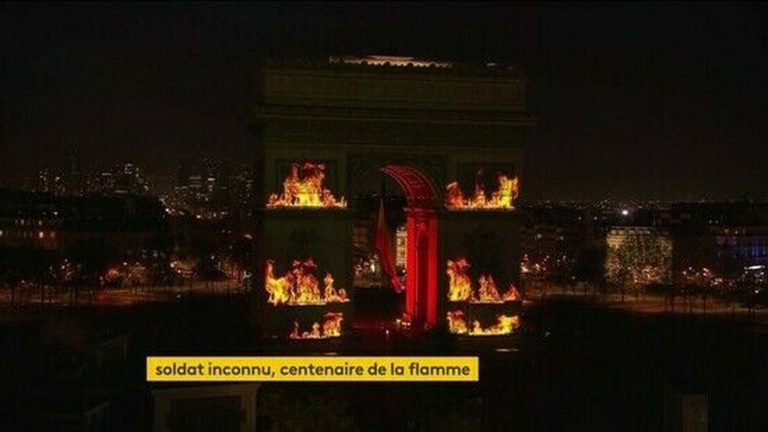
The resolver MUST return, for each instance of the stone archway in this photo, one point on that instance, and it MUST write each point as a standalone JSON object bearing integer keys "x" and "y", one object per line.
{"x": 426, "y": 128}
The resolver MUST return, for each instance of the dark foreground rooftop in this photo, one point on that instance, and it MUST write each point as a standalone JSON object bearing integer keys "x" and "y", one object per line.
{"x": 574, "y": 366}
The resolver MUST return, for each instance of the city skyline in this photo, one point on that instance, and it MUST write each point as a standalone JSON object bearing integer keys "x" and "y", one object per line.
{"x": 163, "y": 184}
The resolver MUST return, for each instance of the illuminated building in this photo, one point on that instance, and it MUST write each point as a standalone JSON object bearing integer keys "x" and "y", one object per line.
{"x": 46, "y": 221}
{"x": 641, "y": 255}
{"x": 450, "y": 135}
{"x": 721, "y": 238}
{"x": 401, "y": 246}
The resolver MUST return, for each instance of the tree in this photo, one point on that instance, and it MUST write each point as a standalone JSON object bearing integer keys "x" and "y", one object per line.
{"x": 641, "y": 258}
{"x": 27, "y": 265}
{"x": 92, "y": 258}
{"x": 589, "y": 264}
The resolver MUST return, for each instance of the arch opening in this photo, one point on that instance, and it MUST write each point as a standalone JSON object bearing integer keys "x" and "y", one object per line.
{"x": 419, "y": 191}
{"x": 421, "y": 245}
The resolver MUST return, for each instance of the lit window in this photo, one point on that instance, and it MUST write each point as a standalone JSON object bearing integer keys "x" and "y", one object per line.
{"x": 1, "y": 233}
{"x": 41, "y": 235}
{"x": 53, "y": 234}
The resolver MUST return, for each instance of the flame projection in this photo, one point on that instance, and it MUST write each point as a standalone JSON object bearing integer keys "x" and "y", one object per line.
{"x": 502, "y": 198}
{"x": 299, "y": 286}
{"x": 456, "y": 322}
{"x": 460, "y": 286}
{"x": 304, "y": 187}
{"x": 332, "y": 295}
{"x": 329, "y": 327}
{"x": 487, "y": 293}
{"x": 504, "y": 325}
{"x": 512, "y": 294}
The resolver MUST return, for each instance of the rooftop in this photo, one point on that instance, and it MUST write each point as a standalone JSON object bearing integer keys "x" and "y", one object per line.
{"x": 400, "y": 64}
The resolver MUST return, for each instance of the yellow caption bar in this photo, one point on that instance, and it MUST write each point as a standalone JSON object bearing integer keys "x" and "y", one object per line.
{"x": 360, "y": 369}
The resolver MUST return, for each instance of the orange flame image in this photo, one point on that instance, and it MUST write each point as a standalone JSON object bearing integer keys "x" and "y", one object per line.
{"x": 456, "y": 322}
{"x": 460, "y": 286}
{"x": 306, "y": 287}
{"x": 512, "y": 294}
{"x": 279, "y": 289}
{"x": 332, "y": 295}
{"x": 459, "y": 283}
{"x": 330, "y": 328}
{"x": 304, "y": 187}
{"x": 502, "y": 198}
{"x": 504, "y": 325}
{"x": 299, "y": 286}
{"x": 487, "y": 293}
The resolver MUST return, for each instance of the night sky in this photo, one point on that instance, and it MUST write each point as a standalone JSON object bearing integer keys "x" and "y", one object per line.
{"x": 659, "y": 101}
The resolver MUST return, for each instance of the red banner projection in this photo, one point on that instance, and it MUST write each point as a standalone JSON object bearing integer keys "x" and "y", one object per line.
{"x": 383, "y": 247}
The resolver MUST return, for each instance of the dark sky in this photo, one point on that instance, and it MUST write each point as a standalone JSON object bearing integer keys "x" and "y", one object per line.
{"x": 661, "y": 101}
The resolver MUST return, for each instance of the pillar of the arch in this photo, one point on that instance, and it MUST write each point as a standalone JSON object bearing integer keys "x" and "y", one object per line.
{"x": 421, "y": 268}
